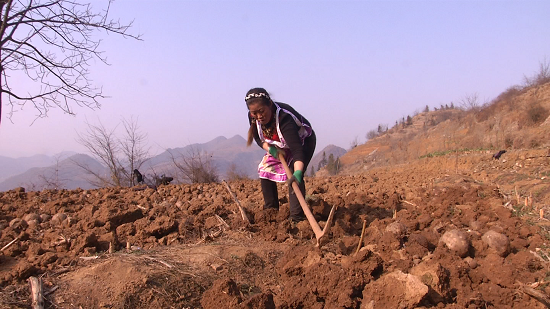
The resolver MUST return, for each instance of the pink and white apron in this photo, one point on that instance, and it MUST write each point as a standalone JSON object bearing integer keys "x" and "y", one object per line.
{"x": 271, "y": 168}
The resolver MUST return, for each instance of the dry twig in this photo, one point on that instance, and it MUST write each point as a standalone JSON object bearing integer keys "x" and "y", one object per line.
{"x": 9, "y": 244}
{"x": 36, "y": 293}
{"x": 157, "y": 260}
{"x": 362, "y": 236}
{"x": 222, "y": 221}
{"x": 243, "y": 214}
{"x": 538, "y": 295}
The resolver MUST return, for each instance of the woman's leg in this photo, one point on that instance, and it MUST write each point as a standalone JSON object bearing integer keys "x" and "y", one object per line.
{"x": 269, "y": 190}
{"x": 296, "y": 212}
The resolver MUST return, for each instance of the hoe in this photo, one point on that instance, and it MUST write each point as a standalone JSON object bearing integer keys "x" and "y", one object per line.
{"x": 319, "y": 234}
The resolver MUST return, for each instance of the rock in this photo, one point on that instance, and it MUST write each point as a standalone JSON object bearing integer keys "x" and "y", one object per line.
{"x": 471, "y": 262}
{"x": 394, "y": 290}
{"x": 457, "y": 241}
{"x": 497, "y": 242}
{"x": 476, "y": 225}
{"x": 33, "y": 223}
{"x": 31, "y": 216}
{"x": 15, "y": 222}
{"x": 45, "y": 217}
{"x": 312, "y": 258}
{"x": 436, "y": 277}
{"x": 58, "y": 218}
{"x": 18, "y": 224}
{"x": 397, "y": 228}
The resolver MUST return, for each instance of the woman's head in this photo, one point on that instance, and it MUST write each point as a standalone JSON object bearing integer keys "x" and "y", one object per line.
{"x": 259, "y": 105}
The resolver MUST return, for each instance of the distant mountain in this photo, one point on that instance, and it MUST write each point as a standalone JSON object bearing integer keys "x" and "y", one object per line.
{"x": 48, "y": 172}
{"x": 327, "y": 151}
{"x": 223, "y": 152}
{"x": 13, "y": 166}
{"x": 63, "y": 174}
{"x": 226, "y": 154}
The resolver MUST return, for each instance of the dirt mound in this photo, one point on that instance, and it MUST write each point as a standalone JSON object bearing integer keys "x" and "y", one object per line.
{"x": 186, "y": 246}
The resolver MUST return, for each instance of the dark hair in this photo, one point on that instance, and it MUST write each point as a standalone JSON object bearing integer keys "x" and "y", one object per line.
{"x": 255, "y": 95}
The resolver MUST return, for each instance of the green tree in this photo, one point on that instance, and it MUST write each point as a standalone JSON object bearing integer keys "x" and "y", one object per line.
{"x": 333, "y": 165}
{"x": 323, "y": 161}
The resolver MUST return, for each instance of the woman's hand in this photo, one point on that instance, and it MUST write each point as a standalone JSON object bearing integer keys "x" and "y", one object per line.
{"x": 273, "y": 152}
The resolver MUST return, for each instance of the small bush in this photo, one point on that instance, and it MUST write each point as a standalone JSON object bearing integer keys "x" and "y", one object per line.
{"x": 536, "y": 113}
{"x": 541, "y": 77}
{"x": 534, "y": 143}
{"x": 518, "y": 143}
{"x": 508, "y": 141}
{"x": 371, "y": 134}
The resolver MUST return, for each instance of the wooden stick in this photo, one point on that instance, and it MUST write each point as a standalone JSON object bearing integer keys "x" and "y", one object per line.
{"x": 36, "y": 293}
{"x": 407, "y": 202}
{"x": 10, "y": 243}
{"x": 541, "y": 297}
{"x": 243, "y": 214}
{"x": 222, "y": 221}
{"x": 157, "y": 260}
{"x": 362, "y": 236}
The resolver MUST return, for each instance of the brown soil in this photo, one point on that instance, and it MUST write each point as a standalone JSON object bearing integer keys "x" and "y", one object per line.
{"x": 170, "y": 250}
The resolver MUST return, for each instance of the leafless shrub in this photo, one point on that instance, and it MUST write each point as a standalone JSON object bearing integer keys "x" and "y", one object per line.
{"x": 354, "y": 143}
{"x": 52, "y": 178}
{"x": 542, "y": 76}
{"x": 534, "y": 142}
{"x": 509, "y": 93}
{"x": 195, "y": 166}
{"x": 234, "y": 173}
{"x": 470, "y": 102}
{"x": 536, "y": 113}
{"x": 508, "y": 141}
{"x": 519, "y": 142}
{"x": 120, "y": 156}
{"x": 371, "y": 134}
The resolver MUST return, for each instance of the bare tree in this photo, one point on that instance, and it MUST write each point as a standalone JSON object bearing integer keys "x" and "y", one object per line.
{"x": 52, "y": 44}
{"x": 120, "y": 156}
{"x": 542, "y": 76}
{"x": 195, "y": 166}
{"x": 52, "y": 178}
{"x": 133, "y": 148}
{"x": 470, "y": 102}
{"x": 104, "y": 146}
{"x": 354, "y": 143}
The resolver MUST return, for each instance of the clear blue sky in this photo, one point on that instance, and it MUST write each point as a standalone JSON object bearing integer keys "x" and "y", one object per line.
{"x": 347, "y": 66}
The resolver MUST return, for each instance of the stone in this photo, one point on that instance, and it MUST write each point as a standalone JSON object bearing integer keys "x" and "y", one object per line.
{"x": 457, "y": 241}
{"x": 497, "y": 242}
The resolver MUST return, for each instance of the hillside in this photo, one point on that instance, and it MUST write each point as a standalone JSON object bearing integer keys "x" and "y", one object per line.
{"x": 517, "y": 119}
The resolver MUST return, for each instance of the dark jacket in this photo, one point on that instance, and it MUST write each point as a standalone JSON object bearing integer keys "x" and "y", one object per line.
{"x": 289, "y": 129}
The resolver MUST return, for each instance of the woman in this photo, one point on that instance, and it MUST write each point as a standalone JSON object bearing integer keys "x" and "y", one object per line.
{"x": 277, "y": 127}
